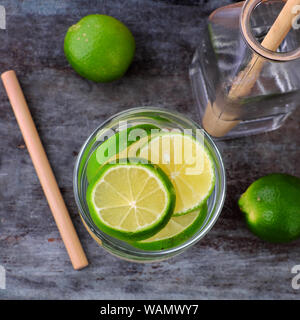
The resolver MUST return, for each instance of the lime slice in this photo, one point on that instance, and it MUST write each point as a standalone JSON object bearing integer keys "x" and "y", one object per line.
{"x": 178, "y": 230}
{"x": 187, "y": 163}
{"x": 118, "y": 146}
{"x": 133, "y": 150}
{"x": 131, "y": 201}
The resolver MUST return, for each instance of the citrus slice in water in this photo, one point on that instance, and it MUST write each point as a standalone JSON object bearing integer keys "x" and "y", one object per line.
{"x": 187, "y": 163}
{"x": 178, "y": 230}
{"x": 131, "y": 201}
{"x": 123, "y": 144}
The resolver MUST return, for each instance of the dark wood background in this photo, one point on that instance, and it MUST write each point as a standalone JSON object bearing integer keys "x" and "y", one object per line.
{"x": 229, "y": 263}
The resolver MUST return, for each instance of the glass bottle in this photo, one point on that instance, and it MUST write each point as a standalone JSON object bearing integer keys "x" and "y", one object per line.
{"x": 241, "y": 87}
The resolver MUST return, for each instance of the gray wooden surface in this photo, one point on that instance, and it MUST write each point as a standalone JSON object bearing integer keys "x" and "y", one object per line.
{"x": 229, "y": 263}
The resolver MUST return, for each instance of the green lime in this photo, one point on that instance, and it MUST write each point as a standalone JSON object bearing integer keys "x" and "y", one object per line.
{"x": 123, "y": 144}
{"x": 178, "y": 230}
{"x": 99, "y": 47}
{"x": 131, "y": 201}
{"x": 272, "y": 207}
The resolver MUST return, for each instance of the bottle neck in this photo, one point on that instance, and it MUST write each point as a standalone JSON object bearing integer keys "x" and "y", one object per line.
{"x": 280, "y": 28}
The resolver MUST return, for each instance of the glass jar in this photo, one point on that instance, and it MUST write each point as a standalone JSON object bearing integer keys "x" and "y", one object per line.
{"x": 240, "y": 86}
{"x": 165, "y": 120}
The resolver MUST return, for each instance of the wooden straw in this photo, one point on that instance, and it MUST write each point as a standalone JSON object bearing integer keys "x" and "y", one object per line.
{"x": 246, "y": 79}
{"x": 44, "y": 171}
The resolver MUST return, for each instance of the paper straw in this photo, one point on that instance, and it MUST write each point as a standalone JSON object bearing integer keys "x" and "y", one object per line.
{"x": 43, "y": 170}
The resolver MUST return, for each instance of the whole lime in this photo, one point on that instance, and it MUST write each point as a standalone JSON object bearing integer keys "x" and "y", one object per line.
{"x": 99, "y": 47}
{"x": 272, "y": 207}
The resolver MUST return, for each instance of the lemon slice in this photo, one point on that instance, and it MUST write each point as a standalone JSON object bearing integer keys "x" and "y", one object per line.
{"x": 131, "y": 201}
{"x": 178, "y": 230}
{"x": 187, "y": 163}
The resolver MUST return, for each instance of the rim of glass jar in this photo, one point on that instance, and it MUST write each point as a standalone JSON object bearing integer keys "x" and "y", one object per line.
{"x": 136, "y": 254}
{"x": 246, "y": 31}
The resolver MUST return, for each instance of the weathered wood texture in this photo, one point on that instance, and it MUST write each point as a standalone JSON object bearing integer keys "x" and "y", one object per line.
{"x": 228, "y": 263}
